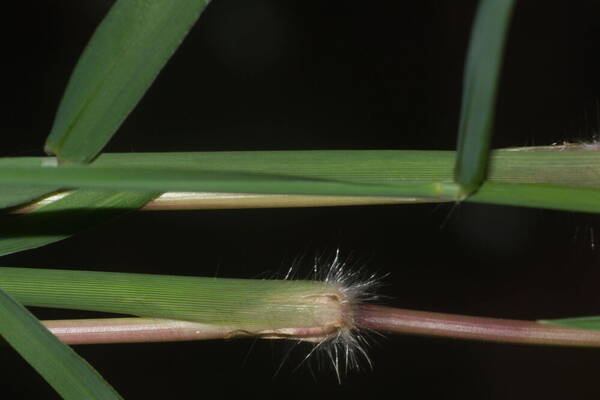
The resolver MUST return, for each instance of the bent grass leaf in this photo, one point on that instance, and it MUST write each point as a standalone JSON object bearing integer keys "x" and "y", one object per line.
{"x": 122, "y": 59}
{"x": 69, "y": 374}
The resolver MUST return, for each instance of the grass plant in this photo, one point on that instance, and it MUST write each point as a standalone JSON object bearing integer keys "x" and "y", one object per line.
{"x": 78, "y": 186}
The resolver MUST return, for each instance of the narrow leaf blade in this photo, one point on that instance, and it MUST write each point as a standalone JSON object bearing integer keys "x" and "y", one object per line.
{"x": 69, "y": 374}
{"x": 124, "y": 56}
{"x": 11, "y": 196}
{"x": 590, "y": 323}
{"x": 565, "y": 198}
{"x": 482, "y": 71}
{"x": 65, "y": 217}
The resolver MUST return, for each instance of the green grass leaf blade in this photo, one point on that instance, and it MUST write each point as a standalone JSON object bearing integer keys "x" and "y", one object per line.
{"x": 569, "y": 168}
{"x": 288, "y": 172}
{"x": 590, "y": 323}
{"x": 149, "y": 179}
{"x": 567, "y": 180}
{"x": 12, "y": 196}
{"x": 122, "y": 59}
{"x": 565, "y": 198}
{"x": 65, "y": 217}
{"x": 69, "y": 374}
{"x": 482, "y": 71}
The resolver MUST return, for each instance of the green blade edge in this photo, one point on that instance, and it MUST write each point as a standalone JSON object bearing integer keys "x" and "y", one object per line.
{"x": 590, "y": 323}
{"x": 69, "y": 374}
{"x": 12, "y": 196}
{"x": 65, "y": 217}
{"x": 122, "y": 59}
{"x": 482, "y": 72}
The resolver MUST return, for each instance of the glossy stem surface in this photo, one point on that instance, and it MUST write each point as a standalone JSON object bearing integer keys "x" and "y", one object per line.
{"x": 377, "y": 318}
{"x": 401, "y": 321}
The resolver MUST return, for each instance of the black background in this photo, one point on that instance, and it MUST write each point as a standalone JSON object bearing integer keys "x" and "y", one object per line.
{"x": 283, "y": 74}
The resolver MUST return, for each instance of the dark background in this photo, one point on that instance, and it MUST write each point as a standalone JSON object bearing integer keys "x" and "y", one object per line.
{"x": 283, "y": 74}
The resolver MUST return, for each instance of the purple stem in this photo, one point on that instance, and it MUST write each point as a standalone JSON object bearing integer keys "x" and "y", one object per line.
{"x": 131, "y": 330}
{"x": 396, "y": 320}
{"x": 377, "y": 318}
